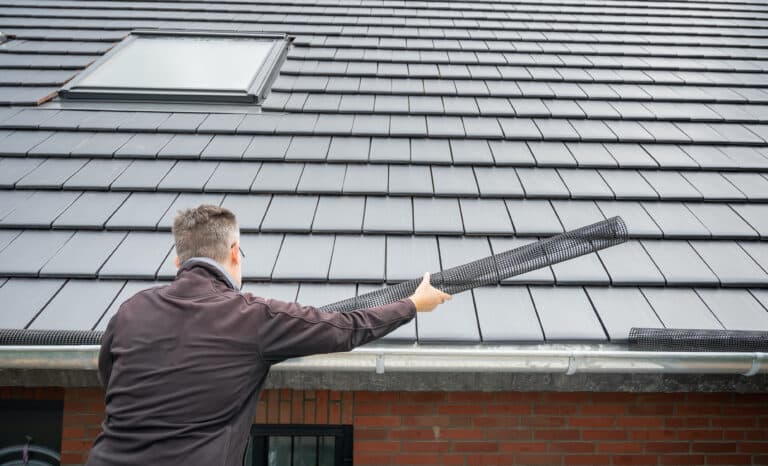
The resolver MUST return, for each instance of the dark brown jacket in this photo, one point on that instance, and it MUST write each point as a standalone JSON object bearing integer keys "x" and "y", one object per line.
{"x": 183, "y": 365}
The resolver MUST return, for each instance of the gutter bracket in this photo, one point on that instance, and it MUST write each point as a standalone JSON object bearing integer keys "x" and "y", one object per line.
{"x": 756, "y": 362}
{"x": 571, "y": 364}
{"x": 379, "y": 363}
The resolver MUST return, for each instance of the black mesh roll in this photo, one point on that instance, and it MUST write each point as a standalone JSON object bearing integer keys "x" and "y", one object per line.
{"x": 492, "y": 269}
{"x": 693, "y": 340}
{"x": 10, "y": 337}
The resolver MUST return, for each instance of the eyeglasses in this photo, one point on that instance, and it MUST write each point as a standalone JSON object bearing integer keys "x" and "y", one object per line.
{"x": 239, "y": 249}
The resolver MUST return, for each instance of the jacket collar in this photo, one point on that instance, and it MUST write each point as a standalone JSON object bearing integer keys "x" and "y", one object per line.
{"x": 212, "y": 266}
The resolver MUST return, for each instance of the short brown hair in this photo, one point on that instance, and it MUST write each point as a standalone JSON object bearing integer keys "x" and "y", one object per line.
{"x": 206, "y": 230}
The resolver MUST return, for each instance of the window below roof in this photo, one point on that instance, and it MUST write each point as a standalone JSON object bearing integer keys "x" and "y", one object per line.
{"x": 183, "y": 66}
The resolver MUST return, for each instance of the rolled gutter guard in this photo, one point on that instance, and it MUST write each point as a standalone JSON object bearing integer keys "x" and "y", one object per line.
{"x": 414, "y": 358}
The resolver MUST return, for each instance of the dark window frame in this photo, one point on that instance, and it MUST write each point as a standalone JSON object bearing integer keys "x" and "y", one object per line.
{"x": 260, "y": 434}
{"x": 259, "y": 87}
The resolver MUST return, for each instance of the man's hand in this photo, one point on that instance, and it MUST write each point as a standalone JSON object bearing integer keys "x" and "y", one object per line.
{"x": 426, "y": 297}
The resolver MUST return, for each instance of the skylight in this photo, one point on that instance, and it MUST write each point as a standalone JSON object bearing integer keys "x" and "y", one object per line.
{"x": 183, "y": 66}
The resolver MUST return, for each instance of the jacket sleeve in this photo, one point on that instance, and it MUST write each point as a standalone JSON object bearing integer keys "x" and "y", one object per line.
{"x": 105, "y": 352}
{"x": 291, "y": 330}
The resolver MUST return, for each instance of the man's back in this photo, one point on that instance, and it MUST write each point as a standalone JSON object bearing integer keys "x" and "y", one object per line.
{"x": 183, "y": 365}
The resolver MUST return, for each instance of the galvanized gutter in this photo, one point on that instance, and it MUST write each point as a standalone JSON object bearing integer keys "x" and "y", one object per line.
{"x": 562, "y": 359}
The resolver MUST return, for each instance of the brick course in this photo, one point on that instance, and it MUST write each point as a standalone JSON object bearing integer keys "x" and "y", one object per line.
{"x": 504, "y": 428}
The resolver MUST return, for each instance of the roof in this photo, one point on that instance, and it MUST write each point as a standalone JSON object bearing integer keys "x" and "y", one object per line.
{"x": 401, "y": 137}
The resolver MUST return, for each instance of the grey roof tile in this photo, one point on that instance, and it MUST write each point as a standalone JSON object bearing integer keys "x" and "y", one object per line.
{"x": 630, "y": 264}
{"x": 185, "y": 146}
{"x": 388, "y": 215}
{"x": 542, "y": 182}
{"x": 371, "y": 125}
{"x": 390, "y": 104}
{"x": 530, "y": 108}
{"x": 9, "y": 200}
{"x": 20, "y": 142}
{"x": 599, "y": 109}
{"x": 533, "y": 217}
{"x": 131, "y": 288}
{"x": 141, "y": 211}
{"x": 460, "y": 105}
{"x": 592, "y": 130}
{"x": 754, "y": 186}
{"x": 366, "y": 179}
{"x": 142, "y": 175}
{"x": 585, "y": 183}
{"x": 220, "y": 123}
{"x": 628, "y": 184}
{"x": 556, "y": 129}
{"x": 679, "y": 263}
{"x": 278, "y": 177}
{"x": 267, "y": 147}
{"x": 437, "y": 216}
{"x": 262, "y": 248}
{"x": 232, "y": 177}
{"x": 358, "y": 258}
{"x": 471, "y": 152}
{"x": 700, "y": 133}
{"x": 445, "y": 126}
{"x": 629, "y": 131}
{"x": 352, "y": 149}
{"x": 30, "y": 118}
{"x": 182, "y": 122}
{"x": 226, "y": 147}
{"x": 506, "y": 313}
{"x": 407, "y": 125}
{"x": 732, "y": 265}
{"x": 746, "y": 157}
{"x": 97, "y": 174}
{"x": 60, "y": 144}
{"x": 13, "y": 169}
{"x": 143, "y": 145}
{"x": 26, "y": 297}
{"x": 454, "y": 181}
{"x": 582, "y": 270}
{"x": 708, "y": 157}
{"x": 511, "y": 153}
{"x": 519, "y": 128}
{"x": 631, "y": 156}
{"x": 250, "y": 209}
{"x": 186, "y": 201}
{"x": 485, "y": 217}
{"x": 319, "y": 294}
{"x": 188, "y": 175}
{"x": 101, "y": 145}
{"x": 576, "y": 214}
{"x": 304, "y": 257}
{"x": 104, "y": 120}
{"x": 52, "y": 173}
{"x": 30, "y": 251}
{"x": 620, "y": 309}
{"x": 39, "y": 209}
{"x": 390, "y": 150}
{"x": 456, "y": 322}
{"x": 665, "y": 132}
{"x": 408, "y": 257}
{"x": 435, "y": 151}
{"x": 290, "y": 214}
{"x": 333, "y": 124}
{"x": 498, "y": 182}
{"x": 83, "y": 255}
{"x": 670, "y": 156}
{"x": 322, "y": 178}
{"x": 356, "y": 103}
{"x": 90, "y": 298}
{"x": 411, "y": 180}
{"x": 308, "y": 148}
{"x": 270, "y": 290}
{"x": 340, "y": 214}
{"x": 140, "y": 255}
{"x": 144, "y": 121}
{"x": 675, "y": 220}
{"x": 713, "y": 186}
{"x": 262, "y": 123}
{"x": 639, "y": 223}
{"x": 482, "y": 127}
{"x": 670, "y": 185}
{"x": 721, "y": 220}
{"x": 554, "y": 154}
{"x": 755, "y": 215}
{"x": 758, "y": 251}
{"x": 679, "y": 307}
{"x": 566, "y": 314}
{"x": 735, "y": 309}
{"x": 91, "y": 210}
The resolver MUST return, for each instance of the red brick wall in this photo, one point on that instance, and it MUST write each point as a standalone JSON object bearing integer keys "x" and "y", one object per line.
{"x": 496, "y": 428}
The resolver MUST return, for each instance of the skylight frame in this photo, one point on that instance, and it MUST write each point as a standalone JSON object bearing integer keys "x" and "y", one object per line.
{"x": 76, "y": 90}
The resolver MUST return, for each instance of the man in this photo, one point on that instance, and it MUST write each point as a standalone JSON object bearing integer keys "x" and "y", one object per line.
{"x": 183, "y": 364}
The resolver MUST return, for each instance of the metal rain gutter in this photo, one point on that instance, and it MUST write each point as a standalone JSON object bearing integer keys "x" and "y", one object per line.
{"x": 417, "y": 358}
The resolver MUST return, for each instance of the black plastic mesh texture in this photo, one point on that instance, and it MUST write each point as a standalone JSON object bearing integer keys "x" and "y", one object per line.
{"x": 693, "y": 340}
{"x": 490, "y": 270}
{"x": 49, "y": 337}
